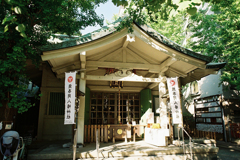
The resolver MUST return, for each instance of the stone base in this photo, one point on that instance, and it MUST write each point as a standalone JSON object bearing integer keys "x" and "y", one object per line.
{"x": 131, "y": 150}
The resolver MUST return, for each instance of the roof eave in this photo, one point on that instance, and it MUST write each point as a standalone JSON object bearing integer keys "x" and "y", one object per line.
{"x": 161, "y": 39}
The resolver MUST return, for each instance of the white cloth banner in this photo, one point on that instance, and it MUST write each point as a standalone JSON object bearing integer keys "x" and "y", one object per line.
{"x": 174, "y": 100}
{"x": 70, "y": 80}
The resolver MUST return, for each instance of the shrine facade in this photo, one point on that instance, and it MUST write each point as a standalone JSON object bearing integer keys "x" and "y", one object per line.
{"x": 121, "y": 76}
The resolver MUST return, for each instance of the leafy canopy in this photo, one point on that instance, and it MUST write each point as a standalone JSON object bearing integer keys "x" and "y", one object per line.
{"x": 218, "y": 36}
{"x": 164, "y": 9}
{"x": 25, "y": 25}
{"x": 173, "y": 28}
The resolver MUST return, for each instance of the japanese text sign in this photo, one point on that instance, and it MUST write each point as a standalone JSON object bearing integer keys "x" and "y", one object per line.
{"x": 174, "y": 100}
{"x": 70, "y": 79}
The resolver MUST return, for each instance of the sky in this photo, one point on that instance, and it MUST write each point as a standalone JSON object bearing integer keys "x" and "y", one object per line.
{"x": 108, "y": 10}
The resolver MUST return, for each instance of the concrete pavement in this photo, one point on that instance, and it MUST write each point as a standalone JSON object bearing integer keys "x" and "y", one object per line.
{"x": 122, "y": 150}
{"x": 229, "y": 145}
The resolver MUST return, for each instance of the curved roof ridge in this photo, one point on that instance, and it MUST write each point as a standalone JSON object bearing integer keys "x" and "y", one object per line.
{"x": 164, "y": 40}
{"x": 109, "y": 29}
{"x": 97, "y": 34}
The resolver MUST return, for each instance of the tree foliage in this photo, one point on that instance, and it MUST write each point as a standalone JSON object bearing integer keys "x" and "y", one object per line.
{"x": 173, "y": 28}
{"x": 25, "y": 25}
{"x": 135, "y": 9}
{"x": 218, "y": 36}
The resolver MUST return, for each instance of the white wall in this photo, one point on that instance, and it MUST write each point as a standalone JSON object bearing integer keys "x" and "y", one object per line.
{"x": 187, "y": 101}
{"x": 209, "y": 85}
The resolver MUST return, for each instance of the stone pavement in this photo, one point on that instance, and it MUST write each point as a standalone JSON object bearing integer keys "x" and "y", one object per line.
{"x": 229, "y": 145}
{"x": 122, "y": 150}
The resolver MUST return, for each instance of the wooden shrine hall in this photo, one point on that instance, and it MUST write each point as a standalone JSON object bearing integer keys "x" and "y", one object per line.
{"x": 121, "y": 76}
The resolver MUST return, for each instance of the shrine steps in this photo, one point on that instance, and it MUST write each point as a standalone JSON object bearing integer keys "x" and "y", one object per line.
{"x": 127, "y": 151}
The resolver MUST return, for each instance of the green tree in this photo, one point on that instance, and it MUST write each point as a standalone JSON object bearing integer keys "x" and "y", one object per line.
{"x": 25, "y": 25}
{"x": 173, "y": 28}
{"x": 218, "y": 35}
{"x": 113, "y": 19}
{"x": 137, "y": 10}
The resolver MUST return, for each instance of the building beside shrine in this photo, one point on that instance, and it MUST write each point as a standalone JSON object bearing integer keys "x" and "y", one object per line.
{"x": 215, "y": 110}
{"x": 120, "y": 77}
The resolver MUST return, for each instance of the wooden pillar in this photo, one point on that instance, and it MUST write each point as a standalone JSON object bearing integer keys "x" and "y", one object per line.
{"x": 43, "y": 103}
{"x": 163, "y": 102}
{"x": 81, "y": 112}
{"x": 180, "y": 96}
{"x": 105, "y": 133}
{"x": 134, "y": 134}
{"x": 113, "y": 135}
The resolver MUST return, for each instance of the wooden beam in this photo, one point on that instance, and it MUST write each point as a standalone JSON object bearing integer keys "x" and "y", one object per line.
{"x": 153, "y": 67}
{"x": 155, "y": 92}
{"x": 166, "y": 63}
{"x": 191, "y": 75}
{"x": 125, "y": 43}
{"x": 124, "y": 54}
{"x": 146, "y": 57}
{"x": 177, "y": 72}
{"x": 68, "y": 68}
{"x": 141, "y": 59}
{"x": 163, "y": 70}
{"x": 150, "y": 75}
{"x": 127, "y": 78}
{"x": 101, "y": 54}
{"x": 107, "y": 88}
{"x": 48, "y": 55}
{"x": 129, "y": 38}
{"x": 54, "y": 69}
{"x": 110, "y": 54}
{"x": 83, "y": 59}
{"x": 190, "y": 69}
{"x": 151, "y": 86}
{"x": 62, "y": 74}
{"x": 169, "y": 51}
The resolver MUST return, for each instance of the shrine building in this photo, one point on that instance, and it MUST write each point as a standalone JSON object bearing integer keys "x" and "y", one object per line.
{"x": 120, "y": 77}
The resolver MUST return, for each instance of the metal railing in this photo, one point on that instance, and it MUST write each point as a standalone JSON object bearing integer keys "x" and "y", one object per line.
{"x": 190, "y": 141}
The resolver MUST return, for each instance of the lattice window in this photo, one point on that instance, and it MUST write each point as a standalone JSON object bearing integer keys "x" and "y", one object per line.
{"x": 105, "y": 109}
{"x": 56, "y": 103}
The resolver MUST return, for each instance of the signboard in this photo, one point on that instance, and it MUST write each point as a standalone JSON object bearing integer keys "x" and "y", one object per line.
{"x": 174, "y": 100}
{"x": 70, "y": 79}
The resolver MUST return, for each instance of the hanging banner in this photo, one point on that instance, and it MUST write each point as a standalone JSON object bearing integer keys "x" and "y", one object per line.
{"x": 70, "y": 80}
{"x": 174, "y": 100}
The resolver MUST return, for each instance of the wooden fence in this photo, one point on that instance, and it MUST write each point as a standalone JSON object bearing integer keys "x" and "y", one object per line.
{"x": 235, "y": 130}
{"x": 90, "y": 133}
{"x": 111, "y": 132}
{"x": 204, "y": 134}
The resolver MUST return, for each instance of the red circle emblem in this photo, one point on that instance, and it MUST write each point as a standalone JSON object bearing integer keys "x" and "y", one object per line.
{"x": 172, "y": 82}
{"x": 70, "y": 79}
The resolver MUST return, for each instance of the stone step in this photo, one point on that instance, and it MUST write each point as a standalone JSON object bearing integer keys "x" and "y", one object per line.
{"x": 162, "y": 157}
{"x": 127, "y": 151}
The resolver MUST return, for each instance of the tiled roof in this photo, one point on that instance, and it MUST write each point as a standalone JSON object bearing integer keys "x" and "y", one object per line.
{"x": 107, "y": 30}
